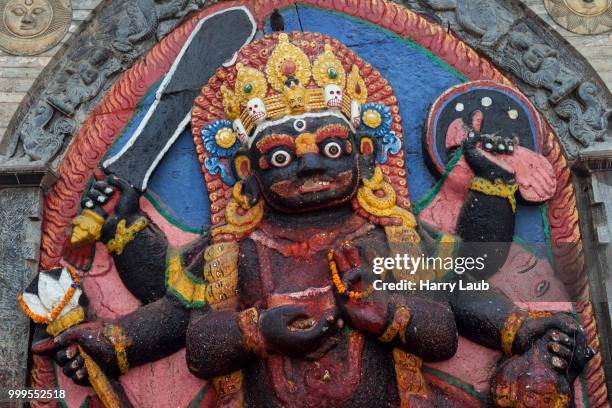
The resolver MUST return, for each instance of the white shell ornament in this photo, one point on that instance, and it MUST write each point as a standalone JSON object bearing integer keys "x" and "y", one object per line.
{"x": 240, "y": 131}
{"x": 355, "y": 113}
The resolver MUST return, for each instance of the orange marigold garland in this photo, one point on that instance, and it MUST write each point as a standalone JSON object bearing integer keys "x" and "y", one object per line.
{"x": 340, "y": 286}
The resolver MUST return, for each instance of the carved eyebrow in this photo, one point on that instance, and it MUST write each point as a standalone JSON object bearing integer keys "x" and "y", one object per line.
{"x": 270, "y": 142}
{"x": 333, "y": 130}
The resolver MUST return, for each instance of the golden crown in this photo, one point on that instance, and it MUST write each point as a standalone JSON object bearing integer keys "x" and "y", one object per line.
{"x": 286, "y": 88}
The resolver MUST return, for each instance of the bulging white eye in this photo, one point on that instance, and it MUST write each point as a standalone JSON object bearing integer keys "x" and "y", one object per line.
{"x": 281, "y": 158}
{"x": 332, "y": 150}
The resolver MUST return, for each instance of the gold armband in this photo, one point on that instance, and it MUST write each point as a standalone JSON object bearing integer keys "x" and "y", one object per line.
{"x": 497, "y": 188}
{"x": 117, "y": 337}
{"x": 513, "y": 324}
{"x": 248, "y": 321}
{"x": 124, "y": 235}
{"x": 401, "y": 319}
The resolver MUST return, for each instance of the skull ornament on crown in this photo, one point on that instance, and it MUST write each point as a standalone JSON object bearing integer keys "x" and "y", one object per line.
{"x": 333, "y": 96}
{"x": 257, "y": 110}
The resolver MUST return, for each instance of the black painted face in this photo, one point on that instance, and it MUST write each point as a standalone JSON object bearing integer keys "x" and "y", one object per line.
{"x": 303, "y": 164}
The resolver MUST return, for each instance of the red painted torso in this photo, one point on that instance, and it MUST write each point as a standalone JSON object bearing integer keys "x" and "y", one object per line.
{"x": 294, "y": 270}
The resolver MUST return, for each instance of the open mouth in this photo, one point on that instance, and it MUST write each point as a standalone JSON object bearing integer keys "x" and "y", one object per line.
{"x": 315, "y": 184}
{"x": 310, "y": 185}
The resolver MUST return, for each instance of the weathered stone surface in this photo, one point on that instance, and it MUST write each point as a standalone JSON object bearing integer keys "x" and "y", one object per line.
{"x": 20, "y": 217}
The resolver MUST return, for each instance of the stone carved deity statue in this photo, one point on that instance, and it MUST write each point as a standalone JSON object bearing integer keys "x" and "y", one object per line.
{"x": 301, "y": 144}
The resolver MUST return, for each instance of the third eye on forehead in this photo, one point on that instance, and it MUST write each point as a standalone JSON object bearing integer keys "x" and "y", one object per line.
{"x": 296, "y": 126}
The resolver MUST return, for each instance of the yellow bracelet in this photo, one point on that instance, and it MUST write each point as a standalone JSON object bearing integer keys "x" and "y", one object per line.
{"x": 248, "y": 322}
{"x": 513, "y": 324}
{"x": 120, "y": 342}
{"x": 124, "y": 235}
{"x": 497, "y": 188}
{"x": 398, "y": 325}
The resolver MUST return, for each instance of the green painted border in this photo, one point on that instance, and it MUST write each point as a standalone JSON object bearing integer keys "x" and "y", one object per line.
{"x": 188, "y": 304}
{"x": 155, "y": 202}
{"x": 467, "y": 388}
{"x": 61, "y": 401}
{"x": 195, "y": 403}
{"x": 137, "y": 110}
{"x": 433, "y": 192}
{"x": 549, "y": 254}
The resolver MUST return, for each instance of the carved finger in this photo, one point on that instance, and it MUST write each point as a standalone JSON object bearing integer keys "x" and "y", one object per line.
{"x": 69, "y": 371}
{"x": 81, "y": 374}
{"x": 322, "y": 326}
{"x": 87, "y": 202}
{"x": 562, "y": 338}
{"x": 341, "y": 261}
{"x": 285, "y": 315}
{"x": 121, "y": 184}
{"x": 66, "y": 354}
{"x": 76, "y": 364}
{"x": 104, "y": 187}
{"x": 69, "y": 336}
{"x": 567, "y": 323}
{"x": 560, "y": 350}
{"x": 351, "y": 252}
{"x": 97, "y": 196}
{"x": 558, "y": 363}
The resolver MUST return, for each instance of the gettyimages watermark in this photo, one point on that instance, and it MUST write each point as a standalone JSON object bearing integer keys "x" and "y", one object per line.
{"x": 522, "y": 271}
{"x": 405, "y": 264}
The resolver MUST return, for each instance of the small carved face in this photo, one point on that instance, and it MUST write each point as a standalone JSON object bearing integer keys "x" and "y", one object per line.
{"x": 538, "y": 390}
{"x": 333, "y": 96}
{"x": 305, "y": 163}
{"x": 295, "y": 98}
{"x": 257, "y": 110}
{"x": 535, "y": 56}
{"x": 88, "y": 73}
{"x": 28, "y": 18}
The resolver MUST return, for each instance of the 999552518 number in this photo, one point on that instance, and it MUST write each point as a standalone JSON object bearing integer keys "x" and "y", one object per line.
{"x": 31, "y": 394}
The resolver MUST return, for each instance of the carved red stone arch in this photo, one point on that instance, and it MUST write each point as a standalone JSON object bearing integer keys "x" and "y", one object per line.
{"x": 107, "y": 120}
